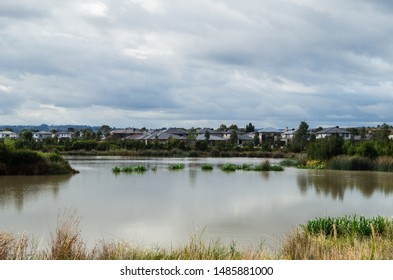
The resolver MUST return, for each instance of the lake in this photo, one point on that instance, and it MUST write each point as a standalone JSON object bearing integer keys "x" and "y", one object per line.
{"x": 165, "y": 208}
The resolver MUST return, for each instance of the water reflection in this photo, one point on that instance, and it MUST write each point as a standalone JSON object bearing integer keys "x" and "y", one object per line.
{"x": 16, "y": 189}
{"x": 336, "y": 183}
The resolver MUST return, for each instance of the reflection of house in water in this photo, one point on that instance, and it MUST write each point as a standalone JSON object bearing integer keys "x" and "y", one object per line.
{"x": 336, "y": 183}
{"x": 17, "y": 189}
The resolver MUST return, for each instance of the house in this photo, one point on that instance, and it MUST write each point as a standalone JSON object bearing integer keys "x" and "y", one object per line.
{"x": 242, "y": 137}
{"x": 333, "y": 131}
{"x": 269, "y": 133}
{"x": 288, "y": 136}
{"x": 124, "y": 133}
{"x": 214, "y": 135}
{"x": 41, "y": 135}
{"x": 8, "y": 134}
{"x": 65, "y": 135}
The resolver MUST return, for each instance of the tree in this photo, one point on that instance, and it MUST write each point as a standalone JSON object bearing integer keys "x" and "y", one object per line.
{"x": 233, "y": 138}
{"x": 222, "y": 127}
{"x": 382, "y": 133}
{"x": 105, "y": 130}
{"x": 250, "y": 128}
{"x": 256, "y": 139}
{"x": 207, "y": 135}
{"x": 233, "y": 126}
{"x": 301, "y": 137}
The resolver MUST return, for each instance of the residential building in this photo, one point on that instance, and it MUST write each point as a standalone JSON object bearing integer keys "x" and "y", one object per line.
{"x": 41, "y": 135}
{"x": 8, "y": 134}
{"x": 333, "y": 131}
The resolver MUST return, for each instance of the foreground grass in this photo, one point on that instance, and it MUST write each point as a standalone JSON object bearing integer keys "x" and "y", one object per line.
{"x": 352, "y": 238}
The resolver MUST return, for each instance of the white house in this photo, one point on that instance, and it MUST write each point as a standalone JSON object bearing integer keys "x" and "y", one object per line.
{"x": 8, "y": 134}
{"x": 333, "y": 131}
{"x": 288, "y": 136}
{"x": 64, "y": 135}
{"x": 41, "y": 135}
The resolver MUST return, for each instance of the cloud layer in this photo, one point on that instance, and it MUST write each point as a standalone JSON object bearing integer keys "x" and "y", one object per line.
{"x": 160, "y": 63}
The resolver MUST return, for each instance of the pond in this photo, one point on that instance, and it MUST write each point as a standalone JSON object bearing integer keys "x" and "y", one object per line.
{"x": 163, "y": 208}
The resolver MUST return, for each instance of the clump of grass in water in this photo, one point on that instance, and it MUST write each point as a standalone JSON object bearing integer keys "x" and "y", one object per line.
{"x": 207, "y": 167}
{"x": 176, "y": 166}
{"x": 116, "y": 169}
{"x": 229, "y": 167}
{"x": 289, "y": 163}
{"x": 129, "y": 169}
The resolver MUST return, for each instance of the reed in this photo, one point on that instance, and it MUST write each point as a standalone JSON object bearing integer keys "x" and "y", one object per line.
{"x": 343, "y": 238}
{"x": 351, "y": 163}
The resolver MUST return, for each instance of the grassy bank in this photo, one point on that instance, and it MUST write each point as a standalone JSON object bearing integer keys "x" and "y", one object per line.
{"x": 342, "y": 238}
{"x": 25, "y": 162}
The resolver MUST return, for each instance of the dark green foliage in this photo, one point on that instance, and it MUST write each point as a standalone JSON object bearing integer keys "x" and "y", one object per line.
{"x": 229, "y": 167}
{"x": 324, "y": 149}
{"x": 176, "y": 166}
{"x": 351, "y": 163}
{"x": 25, "y": 162}
{"x": 207, "y": 167}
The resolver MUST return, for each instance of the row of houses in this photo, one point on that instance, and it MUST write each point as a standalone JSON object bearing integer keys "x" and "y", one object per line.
{"x": 39, "y": 136}
{"x": 285, "y": 136}
{"x": 266, "y": 135}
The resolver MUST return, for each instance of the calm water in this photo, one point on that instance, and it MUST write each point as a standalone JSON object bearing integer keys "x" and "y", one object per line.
{"x": 166, "y": 208}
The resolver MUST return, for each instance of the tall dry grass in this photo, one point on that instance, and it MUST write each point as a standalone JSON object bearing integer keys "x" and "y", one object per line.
{"x": 67, "y": 244}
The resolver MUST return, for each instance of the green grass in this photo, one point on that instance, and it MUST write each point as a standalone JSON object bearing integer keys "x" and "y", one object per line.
{"x": 358, "y": 226}
{"x": 129, "y": 169}
{"x": 289, "y": 163}
{"x": 207, "y": 167}
{"x": 264, "y": 166}
{"x": 176, "y": 166}
{"x": 229, "y": 167}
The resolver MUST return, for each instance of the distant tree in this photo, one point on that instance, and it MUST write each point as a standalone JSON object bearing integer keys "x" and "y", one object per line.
{"x": 105, "y": 130}
{"x": 222, "y": 127}
{"x": 26, "y": 136}
{"x": 250, "y": 128}
{"x": 207, "y": 135}
{"x": 301, "y": 137}
{"x": 191, "y": 138}
{"x": 233, "y": 126}
{"x": 256, "y": 139}
{"x": 234, "y": 137}
{"x": 382, "y": 133}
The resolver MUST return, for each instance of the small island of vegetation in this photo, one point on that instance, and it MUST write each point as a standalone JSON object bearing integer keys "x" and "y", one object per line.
{"x": 27, "y": 162}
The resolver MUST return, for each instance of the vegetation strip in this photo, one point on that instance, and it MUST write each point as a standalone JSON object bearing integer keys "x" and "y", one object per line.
{"x": 341, "y": 238}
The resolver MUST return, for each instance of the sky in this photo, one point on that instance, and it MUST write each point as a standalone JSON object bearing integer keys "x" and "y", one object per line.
{"x": 165, "y": 63}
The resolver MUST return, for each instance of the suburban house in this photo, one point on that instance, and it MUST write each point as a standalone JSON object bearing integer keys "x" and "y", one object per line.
{"x": 214, "y": 135}
{"x": 242, "y": 137}
{"x": 8, "y": 134}
{"x": 41, "y": 135}
{"x": 288, "y": 136}
{"x": 64, "y": 135}
{"x": 333, "y": 131}
{"x": 125, "y": 133}
{"x": 269, "y": 133}
{"x": 163, "y": 135}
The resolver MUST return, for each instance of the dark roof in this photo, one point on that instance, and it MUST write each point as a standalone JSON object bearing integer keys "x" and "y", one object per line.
{"x": 333, "y": 130}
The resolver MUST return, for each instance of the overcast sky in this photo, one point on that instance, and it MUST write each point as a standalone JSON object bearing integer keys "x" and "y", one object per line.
{"x": 184, "y": 63}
